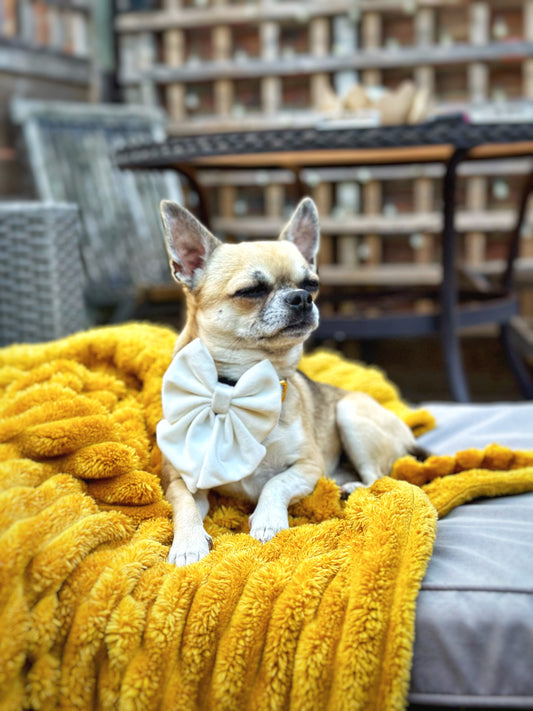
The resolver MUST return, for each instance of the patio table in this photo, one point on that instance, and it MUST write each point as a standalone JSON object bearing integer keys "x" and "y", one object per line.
{"x": 449, "y": 141}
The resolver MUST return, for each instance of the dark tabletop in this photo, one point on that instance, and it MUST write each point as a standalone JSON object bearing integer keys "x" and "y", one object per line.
{"x": 454, "y": 131}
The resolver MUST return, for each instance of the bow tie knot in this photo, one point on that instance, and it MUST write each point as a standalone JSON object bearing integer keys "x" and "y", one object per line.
{"x": 222, "y": 397}
{"x": 213, "y": 433}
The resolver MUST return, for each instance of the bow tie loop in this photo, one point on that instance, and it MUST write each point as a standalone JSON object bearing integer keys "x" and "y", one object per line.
{"x": 213, "y": 433}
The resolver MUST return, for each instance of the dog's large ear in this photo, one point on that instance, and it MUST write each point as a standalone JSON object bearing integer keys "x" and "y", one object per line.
{"x": 189, "y": 243}
{"x": 303, "y": 230}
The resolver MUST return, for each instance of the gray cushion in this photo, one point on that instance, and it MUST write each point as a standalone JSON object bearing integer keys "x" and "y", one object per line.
{"x": 474, "y": 625}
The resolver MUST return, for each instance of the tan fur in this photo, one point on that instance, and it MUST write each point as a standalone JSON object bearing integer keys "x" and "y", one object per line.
{"x": 317, "y": 421}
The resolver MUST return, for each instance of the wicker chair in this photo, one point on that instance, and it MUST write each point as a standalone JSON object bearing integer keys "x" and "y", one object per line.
{"x": 69, "y": 149}
{"x": 40, "y": 272}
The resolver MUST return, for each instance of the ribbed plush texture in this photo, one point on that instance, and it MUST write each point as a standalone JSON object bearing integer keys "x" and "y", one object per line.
{"x": 93, "y": 616}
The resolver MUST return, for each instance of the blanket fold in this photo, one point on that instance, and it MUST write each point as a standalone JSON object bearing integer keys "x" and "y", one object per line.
{"x": 320, "y": 617}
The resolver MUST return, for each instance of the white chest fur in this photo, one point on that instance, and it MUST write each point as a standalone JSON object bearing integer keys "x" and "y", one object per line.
{"x": 284, "y": 446}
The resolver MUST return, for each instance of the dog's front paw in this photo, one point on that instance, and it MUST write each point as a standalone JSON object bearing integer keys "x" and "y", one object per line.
{"x": 265, "y": 528}
{"x": 349, "y": 488}
{"x": 265, "y": 533}
{"x": 190, "y": 549}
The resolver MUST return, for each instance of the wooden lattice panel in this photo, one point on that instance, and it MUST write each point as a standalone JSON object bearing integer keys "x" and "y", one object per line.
{"x": 45, "y": 52}
{"x": 59, "y": 26}
{"x": 461, "y": 51}
{"x": 223, "y": 65}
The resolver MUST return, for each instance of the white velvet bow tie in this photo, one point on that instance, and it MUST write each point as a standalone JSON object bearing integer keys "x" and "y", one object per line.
{"x": 211, "y": 432}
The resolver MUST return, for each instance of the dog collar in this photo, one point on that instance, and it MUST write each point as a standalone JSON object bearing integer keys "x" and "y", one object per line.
{"x": 212, "y": 432}
{"x": 232, "y": 383}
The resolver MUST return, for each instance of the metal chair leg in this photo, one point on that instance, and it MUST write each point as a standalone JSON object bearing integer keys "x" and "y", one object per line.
{"x": 514, "y": 242}
{"x": 453, "y": 363}
{"x": 451, "y": 345}
{"x": 514, "y": 358}
{"x": 202, "y": 209}
{"x": 519, "y": 368}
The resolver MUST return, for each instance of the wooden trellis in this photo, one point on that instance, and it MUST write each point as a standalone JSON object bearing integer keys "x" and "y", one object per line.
{"x": 224, "y": 65}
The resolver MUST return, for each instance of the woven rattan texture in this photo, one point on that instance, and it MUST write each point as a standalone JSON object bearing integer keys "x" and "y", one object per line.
{"x": 456, "y": 132}
{"x": 40, "y": 272}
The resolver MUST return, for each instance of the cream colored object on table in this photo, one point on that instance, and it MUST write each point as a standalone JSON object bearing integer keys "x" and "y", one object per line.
{"x": 211, "y": 432}
{"x": 405, "y": 104}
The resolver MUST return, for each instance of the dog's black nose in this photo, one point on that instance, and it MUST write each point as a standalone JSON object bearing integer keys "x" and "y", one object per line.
{"x": 299, "y": 300}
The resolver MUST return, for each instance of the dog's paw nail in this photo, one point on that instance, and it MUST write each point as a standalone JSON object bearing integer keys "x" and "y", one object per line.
{"x": 182, "y": 554}
{"x": 349, "y": 488}
{"x": 265, "y": 533}
{"x": 182, "y": 558}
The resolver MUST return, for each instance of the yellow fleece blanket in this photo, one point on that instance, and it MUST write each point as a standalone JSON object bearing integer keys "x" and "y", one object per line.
{"x": 92, "y": 616}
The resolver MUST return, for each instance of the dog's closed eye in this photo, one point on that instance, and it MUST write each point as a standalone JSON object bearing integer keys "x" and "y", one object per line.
{"x": 255, "y": 291}
{"x": 310, "y": 285}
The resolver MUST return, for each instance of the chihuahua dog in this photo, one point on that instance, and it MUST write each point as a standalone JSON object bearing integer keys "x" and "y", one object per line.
{"x": 250, "y": 307}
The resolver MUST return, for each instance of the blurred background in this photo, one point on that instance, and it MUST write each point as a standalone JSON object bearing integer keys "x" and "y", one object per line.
{"x": 216, "y": 65}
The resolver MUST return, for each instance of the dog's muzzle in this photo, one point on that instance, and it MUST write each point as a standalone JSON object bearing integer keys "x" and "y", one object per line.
{"x": 299, "y": 301}
{"x": 301, "y": 313}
